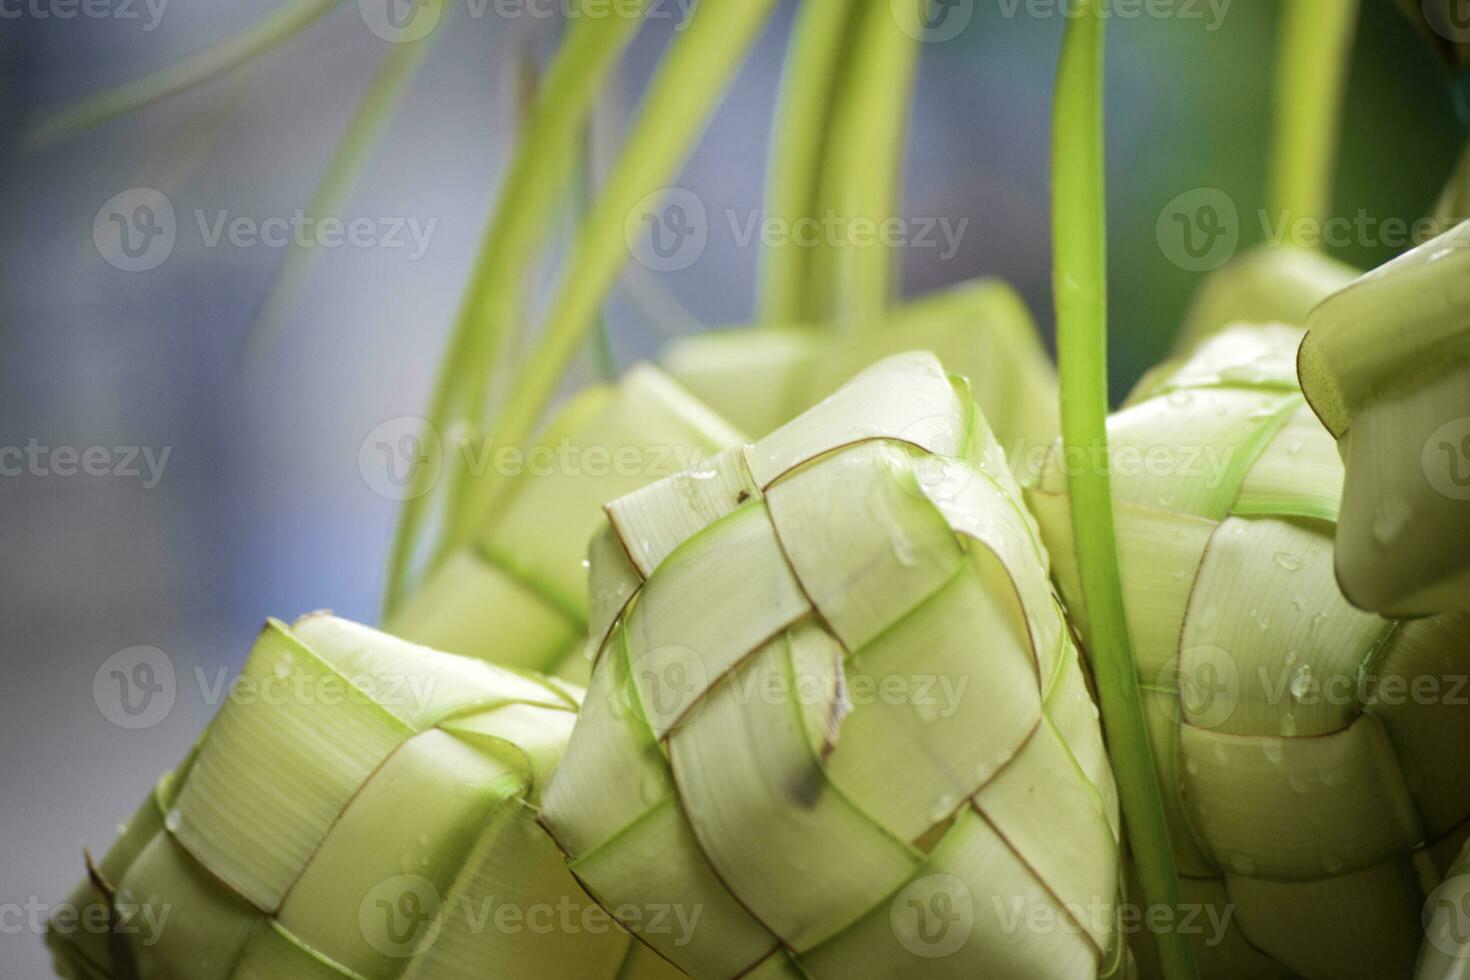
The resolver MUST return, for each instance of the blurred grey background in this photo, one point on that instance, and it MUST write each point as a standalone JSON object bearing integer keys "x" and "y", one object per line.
{"x": 261, "y": 509}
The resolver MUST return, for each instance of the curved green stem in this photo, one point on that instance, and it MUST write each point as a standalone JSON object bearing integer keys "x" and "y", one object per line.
{"x": 1316, "y": 42}
{"x": 658, "y": 310}
{"x": 863, "y": 167}
{"x": 813, "y": 68}
{"x": 543, "y": 166}
{"x": 693, "y": 75}
{"x": 206, "y": 66}
{"x": 1080, "y": 240}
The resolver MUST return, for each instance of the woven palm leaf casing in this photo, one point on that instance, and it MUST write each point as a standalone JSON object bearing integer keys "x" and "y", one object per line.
{"x": 1310, "y": 755}
{"x": 1446, "y": 952}
{"x": 761, "y": 377}
{"x": 1386, "y": 367}
{"x": 518, "y": 596}
{"x": 360, "y": 808}
{"x": 1266, "y": 285}
{"x": 836, "y": 708}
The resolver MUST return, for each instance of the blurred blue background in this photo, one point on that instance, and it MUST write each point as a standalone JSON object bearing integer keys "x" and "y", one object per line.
{"x": 262, "y": 510}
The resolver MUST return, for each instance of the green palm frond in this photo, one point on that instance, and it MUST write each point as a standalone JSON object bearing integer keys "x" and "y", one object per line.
{"x": 272, "y": 31}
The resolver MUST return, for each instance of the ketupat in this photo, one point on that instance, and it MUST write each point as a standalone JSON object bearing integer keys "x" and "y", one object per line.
{"x": 761, "y": 377}
{"x": 767, "y": 735}
{"x": 1386, "y": 367}
{"x": 517, "y": 597}
{"x": 360, "y": 808}
{"x": 1308, "y": 752}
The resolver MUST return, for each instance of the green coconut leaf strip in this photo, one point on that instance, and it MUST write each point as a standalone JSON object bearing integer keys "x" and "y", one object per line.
{"x": 813, "y": 67}
{"x": 692, "y": 77}
{"x": 659, "y": 310}
{"x": 863, "y": 167}
{"x": 544, "y": 167}
{"x": 1080, "y": 234}
{"x": 379, "y": 102}
{"x": 493, "y": 304}
{"x": 1316, "y": 43}
{"x": 273, "y": 30}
